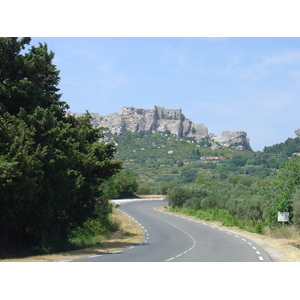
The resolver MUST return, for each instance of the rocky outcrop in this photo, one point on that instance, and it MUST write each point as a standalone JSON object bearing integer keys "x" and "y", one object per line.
{"x": 236, "y": 138}
{"x": 297, "y": 132}
{"x": 161, "y": 119}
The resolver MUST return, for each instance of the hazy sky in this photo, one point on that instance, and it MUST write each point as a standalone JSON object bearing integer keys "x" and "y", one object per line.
{"x": 250, "y": 84}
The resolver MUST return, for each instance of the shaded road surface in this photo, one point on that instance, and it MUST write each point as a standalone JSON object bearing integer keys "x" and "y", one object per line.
{"x": 171, "y": 238}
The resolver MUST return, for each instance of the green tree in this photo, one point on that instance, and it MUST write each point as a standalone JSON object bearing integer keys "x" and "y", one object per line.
{"x": 52, "y": 165}
{"x": 279, "y": 191}
{"x": 121, "y": 185}
{"x": 28, "y": 80}
{"x": 20, "y": 178}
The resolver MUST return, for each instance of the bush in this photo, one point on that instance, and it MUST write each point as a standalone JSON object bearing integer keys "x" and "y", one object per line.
{"x": 193, "y": 203}
{"x": 182, "y": 195}
{"x": 144, "y": 189}
{"x": 91, "y": 232}
{"x": 163, "y": 187}
{"x": 176, "y": 197}
{"x": 296, "y": 206}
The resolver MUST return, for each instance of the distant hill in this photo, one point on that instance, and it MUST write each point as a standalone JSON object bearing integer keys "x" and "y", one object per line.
{"x": 160, "y": 119}
{"x": 159, "y": 153}
{"x": 164, "y": 157}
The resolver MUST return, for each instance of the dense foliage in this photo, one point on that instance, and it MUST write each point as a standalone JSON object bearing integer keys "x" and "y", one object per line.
{"x": 249, "y": 200}
{"x": 52, "y": 166}
{"x": 163, "y": 157}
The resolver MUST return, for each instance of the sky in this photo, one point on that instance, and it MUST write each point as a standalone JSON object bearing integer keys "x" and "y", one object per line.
{"x": 238, "y": 83}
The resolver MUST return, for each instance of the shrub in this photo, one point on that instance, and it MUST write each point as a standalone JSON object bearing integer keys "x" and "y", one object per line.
{"x": 296, "y": 206}
{"x": 91, "y": 232}
{"x": 144, "y": 189}
{"x": 163, "y": 187}
{"x": 178, "y": 196}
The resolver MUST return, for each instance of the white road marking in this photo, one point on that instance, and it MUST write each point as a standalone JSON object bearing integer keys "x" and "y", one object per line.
{"x": 170, "y": 258}
{"x": 261, "y": 258}
{"x": 194, "y": 242}
{"x": 95, "y": 255}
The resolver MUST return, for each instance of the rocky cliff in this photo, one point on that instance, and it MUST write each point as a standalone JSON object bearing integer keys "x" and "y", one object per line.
{"x": 162, "y": 119}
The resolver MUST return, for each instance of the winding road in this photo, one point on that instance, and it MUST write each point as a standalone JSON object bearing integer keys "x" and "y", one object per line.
{"x": 170, "y": 238}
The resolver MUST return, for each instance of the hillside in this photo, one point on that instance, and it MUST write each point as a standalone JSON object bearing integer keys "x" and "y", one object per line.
{"x": 163, "y": 157}
{"x": 162, "y": 145}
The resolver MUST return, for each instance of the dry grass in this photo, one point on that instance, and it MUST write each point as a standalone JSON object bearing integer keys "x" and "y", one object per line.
{"x": 129, "y": 233}
{"x": 151, "y": 196}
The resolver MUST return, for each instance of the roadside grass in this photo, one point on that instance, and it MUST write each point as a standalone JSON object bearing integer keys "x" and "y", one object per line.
{"x": 222, "y": 215}
{"x": 126, "y": 233}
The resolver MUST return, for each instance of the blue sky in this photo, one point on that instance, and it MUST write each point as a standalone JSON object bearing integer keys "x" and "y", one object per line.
{"x": 250, "y": 84}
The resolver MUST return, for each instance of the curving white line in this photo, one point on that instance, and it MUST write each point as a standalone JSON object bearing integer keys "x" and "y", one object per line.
{"x": 212, "y": 226}
{"x": 194, "y": 241}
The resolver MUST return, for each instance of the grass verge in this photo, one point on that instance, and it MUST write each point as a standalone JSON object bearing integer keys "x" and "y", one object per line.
{"x": 129, "y": 233}
{"x": 224, "y": 217}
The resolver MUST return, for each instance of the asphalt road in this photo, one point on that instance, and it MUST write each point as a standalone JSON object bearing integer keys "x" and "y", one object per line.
{"x": 169, "y": 238}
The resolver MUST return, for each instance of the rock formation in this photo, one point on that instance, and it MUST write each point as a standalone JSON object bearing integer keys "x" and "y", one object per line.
{"x": 160, "y": 119}
{"x": 236, "y": 138}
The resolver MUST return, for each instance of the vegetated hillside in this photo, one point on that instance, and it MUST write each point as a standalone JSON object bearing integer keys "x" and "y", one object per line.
{"x": 286, "y": 149}
{"x": 163, "y": 157}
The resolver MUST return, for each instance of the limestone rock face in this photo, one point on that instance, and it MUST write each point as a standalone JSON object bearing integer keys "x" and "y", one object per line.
{"x": 161, "y": 119}
{"x": 297, "y": 132}
{"x": 236, "y": 138}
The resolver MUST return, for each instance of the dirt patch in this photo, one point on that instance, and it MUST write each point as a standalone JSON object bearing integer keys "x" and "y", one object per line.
{"x": 281, "y": 249}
